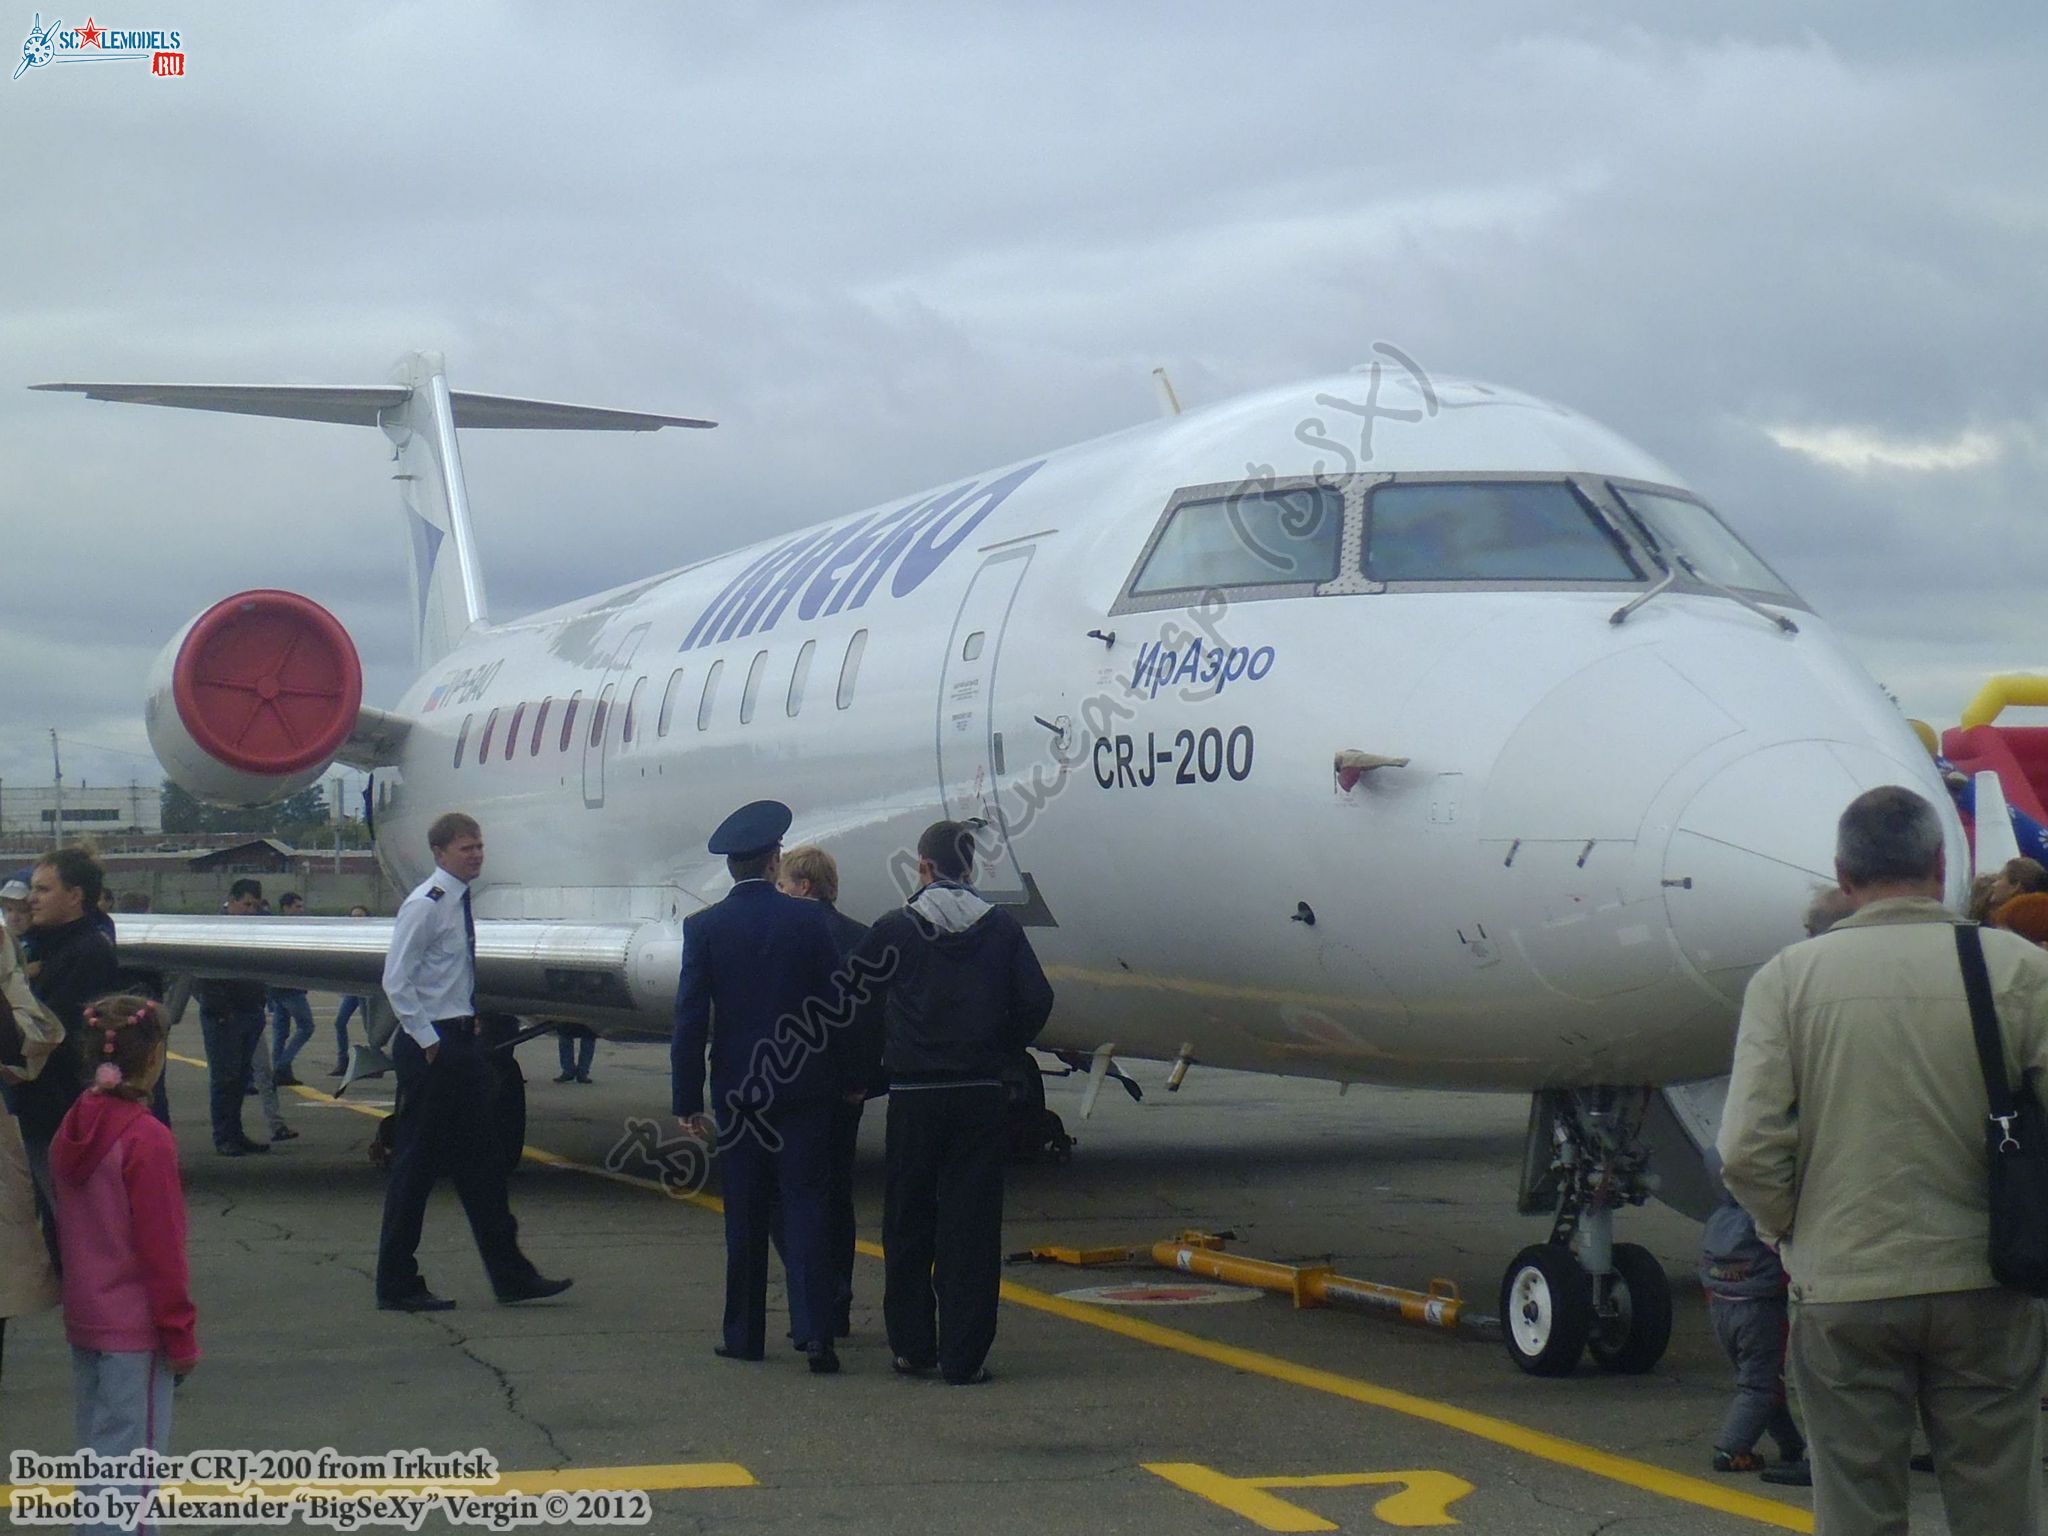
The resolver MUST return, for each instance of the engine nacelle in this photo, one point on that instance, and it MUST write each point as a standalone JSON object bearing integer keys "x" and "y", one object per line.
{"x": 252, "y": 699}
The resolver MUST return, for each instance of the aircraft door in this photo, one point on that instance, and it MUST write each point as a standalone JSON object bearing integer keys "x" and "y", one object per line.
{"x": 604, "y": 717}
{"x": 971, "y": 749}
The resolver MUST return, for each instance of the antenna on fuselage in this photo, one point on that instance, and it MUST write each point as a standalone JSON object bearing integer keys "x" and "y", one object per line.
{"x": 1167, "y": 397}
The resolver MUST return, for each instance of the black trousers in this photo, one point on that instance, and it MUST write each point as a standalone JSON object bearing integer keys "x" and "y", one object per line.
{"x": 231, "y": 1040}
{"x": 758, "y": 1184}
{"x": 445, "y": 1126}
{"x": 942, "y": 1224}
{"x": 839, "y": 1225}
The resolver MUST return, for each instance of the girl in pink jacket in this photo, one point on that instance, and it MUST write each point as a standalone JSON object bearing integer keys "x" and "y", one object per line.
{"x": 121, "y": 1229}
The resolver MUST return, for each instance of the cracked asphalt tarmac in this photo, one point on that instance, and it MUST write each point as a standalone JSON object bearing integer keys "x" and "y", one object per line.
{"x": 618, "y": 1373}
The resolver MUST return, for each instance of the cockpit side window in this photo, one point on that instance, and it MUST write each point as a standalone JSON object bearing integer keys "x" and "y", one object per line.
{"x": 1677, "y": 525}
{"x": 1489, "y": 530}
{"x": 1252, "y": 538}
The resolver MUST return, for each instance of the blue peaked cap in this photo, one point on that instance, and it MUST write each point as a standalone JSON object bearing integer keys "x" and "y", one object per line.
{"x": 753, "y": 828}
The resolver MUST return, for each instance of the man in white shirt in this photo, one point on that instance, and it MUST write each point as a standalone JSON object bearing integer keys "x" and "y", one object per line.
{"x": 444, "y": 1085}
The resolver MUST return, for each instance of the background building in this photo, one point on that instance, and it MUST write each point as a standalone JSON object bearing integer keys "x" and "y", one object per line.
{"x": 31, "y": 810}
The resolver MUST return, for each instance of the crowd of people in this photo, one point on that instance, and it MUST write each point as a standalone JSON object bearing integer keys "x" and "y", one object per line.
{"x": 805, "y": 1015}
{"x": 1850, "y": 1251}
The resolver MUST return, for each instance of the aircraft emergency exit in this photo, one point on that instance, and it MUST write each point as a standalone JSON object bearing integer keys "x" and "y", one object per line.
{"x": 1369, "y": 728}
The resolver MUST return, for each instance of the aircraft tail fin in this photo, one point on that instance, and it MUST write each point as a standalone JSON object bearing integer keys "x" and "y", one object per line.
{"x": 420, "y": 414}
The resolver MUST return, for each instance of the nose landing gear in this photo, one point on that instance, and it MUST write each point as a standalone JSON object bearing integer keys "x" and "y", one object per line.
{"x": 1581, "y": 1292}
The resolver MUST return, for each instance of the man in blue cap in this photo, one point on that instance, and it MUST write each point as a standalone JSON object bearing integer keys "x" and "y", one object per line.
{"x": 756, "y": 985}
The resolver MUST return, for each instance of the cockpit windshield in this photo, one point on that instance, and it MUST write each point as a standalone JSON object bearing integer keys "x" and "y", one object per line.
{"x": 1250, "y": 539}
{"x": 1689, "y": 529}
{"x": 1489, "y": 530}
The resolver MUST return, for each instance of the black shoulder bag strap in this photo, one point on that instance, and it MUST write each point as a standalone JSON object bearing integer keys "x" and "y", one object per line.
{"x": 1984, "y": 1025}
{"x": 2015, "y": 1141}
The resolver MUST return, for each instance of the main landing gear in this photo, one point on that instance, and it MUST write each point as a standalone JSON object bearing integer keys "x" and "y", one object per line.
{"x": 1581, "y": 1292}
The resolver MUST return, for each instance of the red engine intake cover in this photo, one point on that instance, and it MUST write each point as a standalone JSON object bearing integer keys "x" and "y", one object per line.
{"x": 268, "y": 682}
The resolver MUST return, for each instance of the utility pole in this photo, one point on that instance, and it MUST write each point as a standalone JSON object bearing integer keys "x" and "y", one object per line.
{"x": 57, "y": 818}
{"x": 336, "y": 781}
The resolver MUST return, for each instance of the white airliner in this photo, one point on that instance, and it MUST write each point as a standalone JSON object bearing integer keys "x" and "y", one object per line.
{"x": 1367, "y": 728}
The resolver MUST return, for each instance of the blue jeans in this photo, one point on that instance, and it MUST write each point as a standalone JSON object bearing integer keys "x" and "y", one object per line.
{"x": 350, "y": 1006}
{"x": 231, "y": 1040}
{"x": 124, "y": 1405}
{"x": 288, "y": 1007}
{"x": 577, "y": 1046}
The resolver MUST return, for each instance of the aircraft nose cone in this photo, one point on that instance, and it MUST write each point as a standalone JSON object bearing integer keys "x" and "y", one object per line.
{"x": 1752, "y": 847}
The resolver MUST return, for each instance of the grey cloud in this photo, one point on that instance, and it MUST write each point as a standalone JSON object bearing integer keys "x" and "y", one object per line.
{"x": 888, "y": 245}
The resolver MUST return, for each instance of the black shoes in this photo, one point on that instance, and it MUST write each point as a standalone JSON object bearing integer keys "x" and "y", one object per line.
{"x": 973, "y": 1378}
{"x": 534, "y": 1289}
{"x": 421, "y": 1300}
{"x": 735, "y": 1354}
{"x": 285, "y": 1079}
{"x": 1790, "y": 1474}
{"x": 243, "y": 1147}
{"x": 903, "y": 1366}
{"x": 824, "y": 1360}
{"x": 284, "y": 1133}
{"x": 565, "y": 1077}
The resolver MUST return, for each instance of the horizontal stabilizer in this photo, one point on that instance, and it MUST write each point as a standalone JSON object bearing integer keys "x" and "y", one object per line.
{"x": 362, "y": 405}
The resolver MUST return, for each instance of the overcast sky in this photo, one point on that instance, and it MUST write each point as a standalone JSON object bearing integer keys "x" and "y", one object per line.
{"x": 1798, "y": 252}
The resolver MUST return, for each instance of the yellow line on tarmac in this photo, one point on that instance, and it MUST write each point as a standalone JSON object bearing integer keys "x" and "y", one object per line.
{"x": 1502, "y": 1432}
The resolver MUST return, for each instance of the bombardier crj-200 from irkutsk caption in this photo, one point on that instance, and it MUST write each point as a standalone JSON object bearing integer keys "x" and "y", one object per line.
{"x": 1369, "y": 728}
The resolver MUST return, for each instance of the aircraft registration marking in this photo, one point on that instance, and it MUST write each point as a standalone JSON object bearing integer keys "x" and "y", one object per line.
{"x": 1420, "y": 1497}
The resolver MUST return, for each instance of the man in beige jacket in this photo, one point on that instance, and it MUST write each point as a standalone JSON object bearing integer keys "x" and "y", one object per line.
{"x": 1854, "y": 1134}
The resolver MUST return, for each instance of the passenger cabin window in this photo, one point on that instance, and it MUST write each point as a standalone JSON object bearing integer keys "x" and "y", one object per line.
{"x": 1512, "y": 530}
{"x": 1259, "y": 539}
{"x": 799, "y": 677}
{"x": 752, "y": 691}
{"x": 849, "y": 669}
{"x": 710, "y": 699}
{"x": 512, "y": 732}
{"x": 632, "y": 713}
{"x": 569, "y": 720}
{"x": 540, "y": 725}
{"x": 462, "y": 739}
{"x": 483, "y": 750}
{"x": 970, "y": 650}
{"x": 1675, "y": 524}
{"x": 668, "y": 701}
{"x": 598, "y": 714}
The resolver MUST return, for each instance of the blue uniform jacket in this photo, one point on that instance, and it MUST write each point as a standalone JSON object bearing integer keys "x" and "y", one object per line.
{"x": 754, "y": 960}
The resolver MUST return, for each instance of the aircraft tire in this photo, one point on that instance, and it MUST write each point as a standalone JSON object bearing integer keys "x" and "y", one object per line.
{"x": 1546, "y": 1310}
{"x": 1634, "y": 1339}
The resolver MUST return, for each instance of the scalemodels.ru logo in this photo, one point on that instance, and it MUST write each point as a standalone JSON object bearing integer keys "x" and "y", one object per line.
{"x": 92, "y": 43}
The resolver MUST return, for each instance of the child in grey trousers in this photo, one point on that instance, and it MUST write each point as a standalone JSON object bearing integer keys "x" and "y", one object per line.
{"x": 1746, "y": 1288}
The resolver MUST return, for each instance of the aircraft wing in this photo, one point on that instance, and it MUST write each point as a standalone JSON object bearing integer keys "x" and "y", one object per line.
{"x": 378, "y": 740}
{"x": 621, "y": 976}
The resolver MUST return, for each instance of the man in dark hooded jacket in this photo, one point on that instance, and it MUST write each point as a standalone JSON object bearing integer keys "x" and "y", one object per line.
{"x": 77, "y": 966}
{"x": 963, "y": 995}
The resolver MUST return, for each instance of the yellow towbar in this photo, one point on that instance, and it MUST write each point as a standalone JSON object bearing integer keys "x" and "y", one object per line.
{"x": 1310, "y": 1285}
{"x": 1317, "y": 1285}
